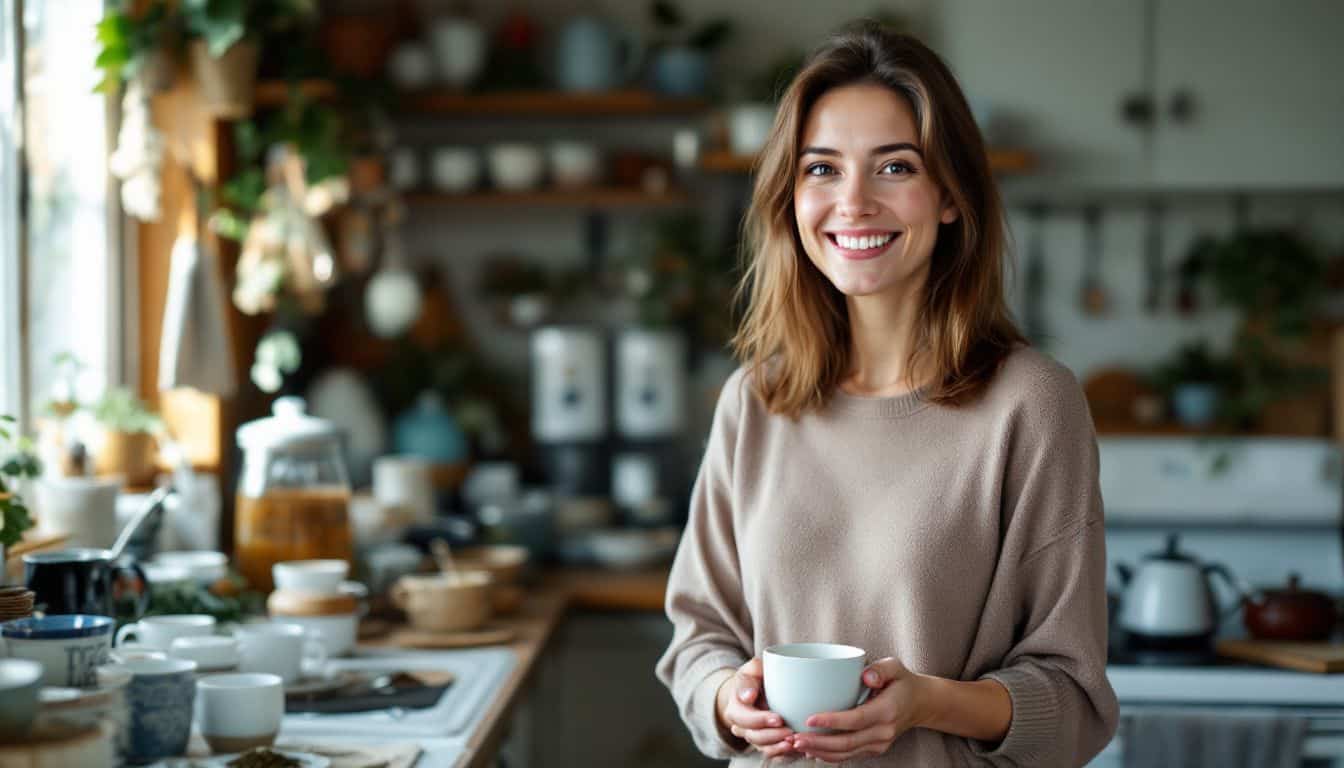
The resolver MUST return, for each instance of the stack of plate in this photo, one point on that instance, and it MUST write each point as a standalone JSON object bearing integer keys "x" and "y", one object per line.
{"x": 15, "y": 603}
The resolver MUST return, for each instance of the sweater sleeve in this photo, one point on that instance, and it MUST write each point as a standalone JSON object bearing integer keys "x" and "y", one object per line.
{"x": 711, "y": 626}
{"x": 1053, "y": 568}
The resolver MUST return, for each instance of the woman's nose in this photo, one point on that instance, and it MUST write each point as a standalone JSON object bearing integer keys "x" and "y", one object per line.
{"x": 855, "y": 201}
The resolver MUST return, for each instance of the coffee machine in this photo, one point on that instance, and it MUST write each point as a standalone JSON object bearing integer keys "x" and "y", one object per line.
{"x": 569, "y": 408}
{"x": 650, "y": 419}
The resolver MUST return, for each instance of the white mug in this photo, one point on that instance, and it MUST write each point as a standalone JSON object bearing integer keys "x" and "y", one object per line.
{"x": 805, "y": 679}
{"x": 405, "y": 481}
{"x": 160, "y": 631}
{"x": 84, "y": 508}
{"x": 238, "y": 712}
{"x": 279, "y": 649}
{"x": 211, "y": 654}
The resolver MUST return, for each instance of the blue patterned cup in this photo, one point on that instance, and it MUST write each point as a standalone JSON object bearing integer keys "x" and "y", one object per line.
{"x": 159, "y": 699}
{"x": 69, "y": 647}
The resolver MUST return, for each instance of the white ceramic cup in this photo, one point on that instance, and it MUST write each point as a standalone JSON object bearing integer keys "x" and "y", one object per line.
{"x": 515, "y": 167}
{"x": 405, "y": 481}
{"x": 322, "y": 577}
{"x": 459, "y": 46}
{"x": 337, "y": 632}
{"x": 160, "y": 631}
{"x": 238, "y": 712}
{"x": 575, "y": 163}
{"x": 215, "y": 653}
{"x": 805, "y": 679}
{"x": 279, "y": 649}
{"x": 84, "y": 508}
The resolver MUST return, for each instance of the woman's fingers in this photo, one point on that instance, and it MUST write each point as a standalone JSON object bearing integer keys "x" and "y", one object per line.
{"x": 750, "y": 717}
{"x": 762, "y": 737}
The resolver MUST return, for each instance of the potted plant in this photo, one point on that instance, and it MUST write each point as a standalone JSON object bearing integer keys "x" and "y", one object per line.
{"x": 17, "y": 463}
{"x": 680, "y": 63}
{"x": 137, "y": 45}
{"x": 128, "y": 436}
{"x": 225, "y": 45}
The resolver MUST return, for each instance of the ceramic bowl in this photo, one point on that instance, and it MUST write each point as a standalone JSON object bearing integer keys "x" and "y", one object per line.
{"x": 440, "y": 602}
{"x": 516, "y": 167}
{"x": 317, "y": 576}
{"x": 632, "y": 548}
{"x": 455, "y": 169}
{"x": 575, "y": 163}
{"x": 20, "y": 680}
{"x": 203, "y": 566}
{"x": 69, "y": 647}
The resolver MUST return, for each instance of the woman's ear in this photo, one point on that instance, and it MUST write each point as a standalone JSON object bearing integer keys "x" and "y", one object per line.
{"x": 949, "y": 214}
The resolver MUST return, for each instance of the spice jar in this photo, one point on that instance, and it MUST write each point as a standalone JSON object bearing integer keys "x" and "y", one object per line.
{"x": 293, "y": 494}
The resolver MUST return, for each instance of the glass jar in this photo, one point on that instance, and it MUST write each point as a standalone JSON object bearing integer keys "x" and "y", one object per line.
{"x": 293, "y": 496}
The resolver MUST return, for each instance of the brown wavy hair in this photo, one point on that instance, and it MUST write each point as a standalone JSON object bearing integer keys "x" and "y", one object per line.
{"x": 794, "y": 336}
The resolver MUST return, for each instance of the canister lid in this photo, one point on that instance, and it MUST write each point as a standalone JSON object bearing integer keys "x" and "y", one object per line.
{"x": 289, "y": 426}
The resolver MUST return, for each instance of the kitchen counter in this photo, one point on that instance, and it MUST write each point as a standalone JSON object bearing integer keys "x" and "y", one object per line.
{"x": 556, "y": 592}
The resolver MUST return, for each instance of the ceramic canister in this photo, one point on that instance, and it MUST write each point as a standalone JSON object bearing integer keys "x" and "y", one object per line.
{"x": 160, "y": 698}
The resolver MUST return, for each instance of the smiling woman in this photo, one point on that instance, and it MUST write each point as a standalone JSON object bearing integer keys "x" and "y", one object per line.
{"x": 892, "y": 468}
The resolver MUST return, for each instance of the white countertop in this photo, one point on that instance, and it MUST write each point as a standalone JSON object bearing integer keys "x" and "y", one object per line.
{"x": 1229, "y": 684}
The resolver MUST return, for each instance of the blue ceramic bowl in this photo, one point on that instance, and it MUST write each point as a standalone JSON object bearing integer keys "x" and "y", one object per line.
{"x": 20, "y": 680}
{"x": 61, "y": 627}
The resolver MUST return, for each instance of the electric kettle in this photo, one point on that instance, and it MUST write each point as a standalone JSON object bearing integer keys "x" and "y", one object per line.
{"x": 1168, "y": 600}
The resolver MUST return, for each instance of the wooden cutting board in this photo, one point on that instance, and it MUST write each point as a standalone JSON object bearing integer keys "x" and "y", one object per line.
{"x": 1322, "y": 658}
{"x": 412, "y": 638}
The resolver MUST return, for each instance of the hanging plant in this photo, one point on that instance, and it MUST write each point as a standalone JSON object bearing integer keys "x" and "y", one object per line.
{"x": 19, "y": 462}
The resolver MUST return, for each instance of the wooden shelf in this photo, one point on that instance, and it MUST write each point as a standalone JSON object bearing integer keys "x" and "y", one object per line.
{"x": 275, "y": 93}
{"x": 550, "y": 103}
{"x": 590, "y": 197}
{"x": 1000, "y": 160}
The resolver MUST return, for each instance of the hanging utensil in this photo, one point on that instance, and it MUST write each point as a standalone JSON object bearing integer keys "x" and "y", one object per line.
{"x": 1032, "y": 314}
{"x": 1092, "y": 293}
{"x": 1152, "y": 296}
{"x": 152, "y": 505}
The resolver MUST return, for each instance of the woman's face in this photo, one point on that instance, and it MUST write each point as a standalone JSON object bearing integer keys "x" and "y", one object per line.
{"x": 867, "y": 211}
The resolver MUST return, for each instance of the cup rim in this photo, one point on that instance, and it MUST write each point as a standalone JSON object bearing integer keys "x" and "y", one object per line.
{"x": 202, "y": 641}
{"x": 316, "y": 565}
{"x": 64, "y": 626}
{"x": 71, "y": 555}
{"x": 147, "y": 667}
{"x": 787, "y": 650}
{"x": 179, "y": 620}
{"x": 271, "y": 628}
{"x": 241, "y": 681}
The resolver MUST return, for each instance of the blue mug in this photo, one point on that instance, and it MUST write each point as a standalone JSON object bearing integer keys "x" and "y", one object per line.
{"x": 160, "y": 700}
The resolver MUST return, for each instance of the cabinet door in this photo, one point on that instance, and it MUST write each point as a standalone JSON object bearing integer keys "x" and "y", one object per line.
{"x": 1056, "y": 71}
{"x": 1263, "y": 78}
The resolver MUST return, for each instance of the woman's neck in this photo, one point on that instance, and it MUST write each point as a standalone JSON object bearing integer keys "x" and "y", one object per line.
{"x": 882, "y": 331}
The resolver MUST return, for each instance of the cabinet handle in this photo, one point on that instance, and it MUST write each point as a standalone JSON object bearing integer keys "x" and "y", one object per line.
{"x": 1137, "y": 109}
{"x": 1181, "y": 108}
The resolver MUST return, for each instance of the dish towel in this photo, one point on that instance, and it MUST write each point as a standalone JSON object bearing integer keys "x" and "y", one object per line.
{"x": 194, "y": 349}
{"x": 1165, "y": 739}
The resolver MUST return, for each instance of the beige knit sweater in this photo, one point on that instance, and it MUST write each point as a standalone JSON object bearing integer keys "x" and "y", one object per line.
{"x": 966, "y": 542}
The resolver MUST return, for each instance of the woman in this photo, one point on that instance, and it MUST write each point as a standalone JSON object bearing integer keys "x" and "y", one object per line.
{"x": 892, "y": 467}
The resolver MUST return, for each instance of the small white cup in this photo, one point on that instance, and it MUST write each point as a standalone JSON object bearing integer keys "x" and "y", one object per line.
{"x": 315, "y": 576}
{"x": 211, "y": 654}
{"x": 238, "y": 712}
{"x": 160, "y": 631}
{"x": 805, "y": 679}
{"x": 279, "y": 649}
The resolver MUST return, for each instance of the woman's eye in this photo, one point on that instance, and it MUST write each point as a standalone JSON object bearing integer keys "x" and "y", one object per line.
{"x": 898, "y": 167}
{"x": 818, "y": 169}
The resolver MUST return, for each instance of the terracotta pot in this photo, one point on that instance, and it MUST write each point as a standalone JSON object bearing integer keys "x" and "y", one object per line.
{"x": 226, "y": 83}
{"x": 357, "y": 45}
{"x": 130, "y": 454}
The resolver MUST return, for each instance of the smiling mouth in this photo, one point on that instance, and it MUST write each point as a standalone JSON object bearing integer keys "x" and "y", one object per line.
{"x": 862, "y": 247}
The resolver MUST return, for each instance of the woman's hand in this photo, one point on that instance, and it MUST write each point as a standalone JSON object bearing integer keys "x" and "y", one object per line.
{"x": 737, "y": 710}
{"x": 899, "y": 702}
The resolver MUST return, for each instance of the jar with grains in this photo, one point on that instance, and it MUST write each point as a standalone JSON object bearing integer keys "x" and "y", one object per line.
{"x": 293, "y": 494}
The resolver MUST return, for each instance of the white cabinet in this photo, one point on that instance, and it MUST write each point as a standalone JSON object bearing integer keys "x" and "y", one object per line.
{"x": 1238, "y": 93}
{"x": 1263, "y": 82}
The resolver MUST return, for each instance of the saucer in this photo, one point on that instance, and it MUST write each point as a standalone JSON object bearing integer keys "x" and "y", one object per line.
{"x": 305, "y": 759}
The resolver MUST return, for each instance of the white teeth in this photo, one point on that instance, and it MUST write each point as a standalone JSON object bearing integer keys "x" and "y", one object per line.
{"x": 863, "y": 243}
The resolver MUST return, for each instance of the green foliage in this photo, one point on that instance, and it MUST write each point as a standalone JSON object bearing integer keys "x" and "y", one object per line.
{"x": 189, "y": 597}
{"x": 19, "y": 462}
{"x": 223, "y": 23}
{"x": 1270, "y": 275}
{"x": 121, "y": 411}
{"x": 126, "y": 41}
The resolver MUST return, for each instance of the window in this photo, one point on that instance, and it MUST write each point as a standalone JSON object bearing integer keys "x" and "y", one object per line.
{"x": 10, "y": 161}
{"x": 64, "y": 275}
